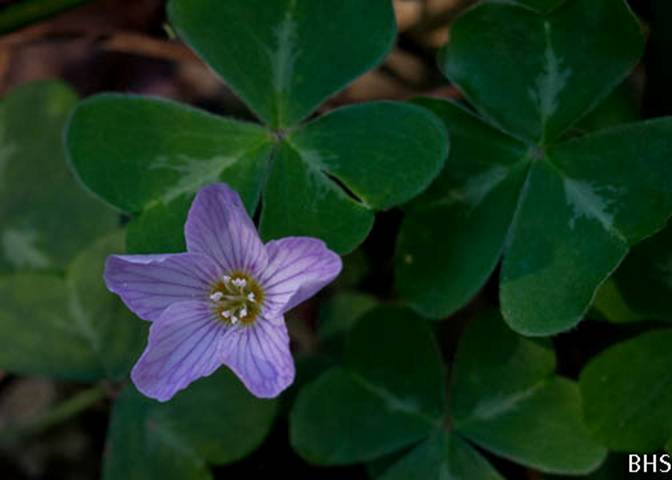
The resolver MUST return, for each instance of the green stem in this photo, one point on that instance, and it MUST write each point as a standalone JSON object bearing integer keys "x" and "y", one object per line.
{"x": 30, "y": 11}
{"x": 60, "y": 413}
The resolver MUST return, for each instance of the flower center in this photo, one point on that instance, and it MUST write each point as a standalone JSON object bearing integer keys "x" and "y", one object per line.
{"x": 237, "y": 299}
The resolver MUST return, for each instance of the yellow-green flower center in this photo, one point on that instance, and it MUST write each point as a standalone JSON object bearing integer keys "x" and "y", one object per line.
{"x": 237, "y": 299}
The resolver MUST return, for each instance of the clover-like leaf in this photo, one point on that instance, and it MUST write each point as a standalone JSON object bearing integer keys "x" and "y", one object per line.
{"x": 285, "y": 57}
{"x": 139, "y": 153}
{"x": 535, "y": 75}
{"x": 390, "y": 395}
{"x": 36, "y": 189}
{"x": 341, "y": 312}
{"x": 325, "y": 179}
{"x": 627, "y": 393}
{"x": 563, "y": 216}
{"x": 644, "y": 279}
{"x": 609, "y": 304}
{"x": 214, "y": 422}
{"x": 563, "y": 213}
{"x": 68, "y": 328}
{"x": 442, "y": 456}
{"x": 507, "y": 400}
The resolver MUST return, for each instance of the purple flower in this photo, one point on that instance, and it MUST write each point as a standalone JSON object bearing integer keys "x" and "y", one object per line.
{"x": 222, "y": 302}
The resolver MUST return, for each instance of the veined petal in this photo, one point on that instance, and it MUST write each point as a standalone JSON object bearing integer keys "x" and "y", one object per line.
{"x": 298, "y": 268}
{"x": 218, "y": 226}
{"x": 184, "y": 344}
{"x": 148, "y": 284}
{"x": 260, "y": 356}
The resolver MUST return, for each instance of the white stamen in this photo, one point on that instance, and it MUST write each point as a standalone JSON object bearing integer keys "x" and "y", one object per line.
{"x": 234, "y": 320}
{"x": 251, "y": 297}
{"x": 243, "y": 312}
{"x": 226, "y": 314}
{"x": 239, "y": 282}
{"x": 216, "y": 297}
{"x": 226, "y": 279}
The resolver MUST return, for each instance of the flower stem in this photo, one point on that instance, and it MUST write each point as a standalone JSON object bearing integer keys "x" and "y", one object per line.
{"x": 60, "y": 413}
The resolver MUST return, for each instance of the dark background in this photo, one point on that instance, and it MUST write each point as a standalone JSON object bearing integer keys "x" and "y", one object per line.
{"x": 126, "y": 46}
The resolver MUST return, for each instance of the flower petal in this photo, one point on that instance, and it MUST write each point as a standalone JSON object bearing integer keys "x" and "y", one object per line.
{"x": 260, "y": 356}
{"x": 148, "y": 284}
{"x": 218, "y": 226}
{"x": 184, "y": 345}
{"x": 298, "y": 268}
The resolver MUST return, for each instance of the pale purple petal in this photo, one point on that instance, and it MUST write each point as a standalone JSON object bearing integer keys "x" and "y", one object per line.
{"x": 218, "y": 226}
{"x": 148, "y": 284}
{"x": 185, "y": 344}
{"x": 260, "y": 356}
{"x": 298, "y": 268}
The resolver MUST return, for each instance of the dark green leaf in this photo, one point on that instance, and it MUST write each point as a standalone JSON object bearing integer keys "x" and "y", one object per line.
{"x": 137, "y": 153}
{"x": 645, "y": 276}
{"x": 494, "y": 367}
{"x": 285, "y": 57}
{"x": 618, "y": 108}
{"x": 338, "y": 419}
{"x": 68, "y": 328}
{"x": 535, "y": 75}
{"x": 412, "y": 377}
{"x": 627, "y": 394}
{"x": 451, "y": 241}
{"x": 506, "y": 399}
{"x": 36, "y": 189}
{"x": 384, "y": 153}
{"x": 339, "y": 314}
{"x": 216, "y": 421}
{"x": 391, "y": 395}
{"x": 442, "y": 457}
{"x": 582, "y": 207}
{"x": 150, "y": 156}
{"x": 159, "y": 229}
{"x": 611, "y": 305}
{"x": 301, "y": 200}
{"x": 563, "y": 229}
{"x": 542, "y": 429}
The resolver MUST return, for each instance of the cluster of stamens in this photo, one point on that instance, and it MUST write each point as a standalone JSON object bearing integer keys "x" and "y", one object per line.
{"x": 237, "y": 299}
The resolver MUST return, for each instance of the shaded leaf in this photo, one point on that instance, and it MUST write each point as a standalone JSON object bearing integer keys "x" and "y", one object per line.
{"x": 564, "y": 216}
{"x": 216, "y": 421}
{"x": 645, "y": 276}
{"x": 338, "y": 420}
{"x": 68, "y": 328}
{"x": 390, "y": 396}
{"x": 506, "y": 399}
{"x": 443, "y": 456}
{"x": 627, "y": 392}
{"x": 535, "y": 75}
{"x": 36, "y": 189}
{"x": 285, "y": 57}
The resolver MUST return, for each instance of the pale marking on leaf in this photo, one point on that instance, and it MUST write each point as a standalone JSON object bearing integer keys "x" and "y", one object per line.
{"x": 7, "y": 149}
{"x": 664, "y": 269}
{"x": 477, "y": 188}
{"x": 194, "y": 172}
{"x": 20, "y": 249}
{"x": 586, "y": 201}
{"x": 550, "y": 82}
{"x": 283, "y": 58}
{"x": 175, "y": 442}
{"x": 393, "y": 402}
{"x": 85, "y": 328}
{"x": 322, "y": 184}
{"x": 495, "y": 406}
